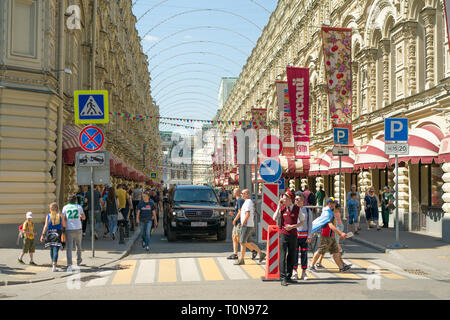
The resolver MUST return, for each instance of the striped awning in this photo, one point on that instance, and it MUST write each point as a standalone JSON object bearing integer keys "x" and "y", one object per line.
{"x": 424, "y": 143}
{"x": 294, "y": 167}
{"x": 70, "y": 144}
{"x": 444, "y": 150}
{"x": 321, "y": 165}
{"x": 372, "y": 156}
{"x": 347, "y": 163}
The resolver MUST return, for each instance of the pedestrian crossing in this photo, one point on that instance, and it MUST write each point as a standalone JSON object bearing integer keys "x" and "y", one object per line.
{"x": 219, "y": 269}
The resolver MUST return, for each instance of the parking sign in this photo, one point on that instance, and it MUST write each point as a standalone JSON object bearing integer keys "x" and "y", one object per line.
{"x": 341, "y": 136}
{"x": 396, "y": 129}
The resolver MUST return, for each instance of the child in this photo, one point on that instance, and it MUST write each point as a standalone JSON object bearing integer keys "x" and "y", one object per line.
{"x": 352, "y": 207}
{"x": 28, "y": 241}
{"x": 339, "y": 226}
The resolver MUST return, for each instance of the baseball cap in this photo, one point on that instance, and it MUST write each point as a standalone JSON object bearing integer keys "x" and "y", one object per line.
{"x": 289, "y": 194}
{"x": 299, "y": 193}
{"x": 331, "y": 200}
{"x": 29, "y": 214}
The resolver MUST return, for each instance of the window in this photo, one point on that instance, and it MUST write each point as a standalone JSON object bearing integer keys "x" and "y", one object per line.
{"x": 24, "y": 23}
{"x": 430, "y": 185}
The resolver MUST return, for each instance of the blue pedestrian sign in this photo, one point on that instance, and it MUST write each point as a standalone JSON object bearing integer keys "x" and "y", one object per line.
{"x": 153, "y": 175}
{"x": 281, "y": 184}
{"x": 91, "y": 106}
{"x": 341, "y": 136}
{"x": 270, "y": 171}
{"x": 396, "y": 129}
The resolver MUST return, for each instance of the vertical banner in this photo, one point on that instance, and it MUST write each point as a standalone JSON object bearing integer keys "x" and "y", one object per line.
{"x": 269, "y": 206}
{"x": 337, "y": 49}
{"x": 447, "y": 16}
{"x": 284, "y": 109}
{"x": 298, "y": 87}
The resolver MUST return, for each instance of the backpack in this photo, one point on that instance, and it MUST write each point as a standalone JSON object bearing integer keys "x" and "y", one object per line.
{"x": 312, "y": 199}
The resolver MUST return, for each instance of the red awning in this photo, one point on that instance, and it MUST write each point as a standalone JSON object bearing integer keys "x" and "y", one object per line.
{"x": 292, "y": 167}
{"x": 444, "y": 150}
{"x": 372, "y": 155}
{"x": 424, "y": 143}
{"x": 70, "y": 144}
{"x": 347, "y": 163}
{"x": 321, "y": 165}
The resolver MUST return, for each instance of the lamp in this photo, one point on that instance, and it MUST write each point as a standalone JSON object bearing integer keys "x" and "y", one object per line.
{"x": 67, "y": 71}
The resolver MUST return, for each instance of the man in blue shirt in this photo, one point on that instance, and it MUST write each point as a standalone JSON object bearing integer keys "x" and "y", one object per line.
{"x": 146, "y": 212}
{"x": 352, "y": 207}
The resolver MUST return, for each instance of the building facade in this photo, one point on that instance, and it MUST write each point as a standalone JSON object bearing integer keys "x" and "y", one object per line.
{"x": 226, "y": 85}
{"x": 400, "y": 68}
{"x": 48, "y": 49}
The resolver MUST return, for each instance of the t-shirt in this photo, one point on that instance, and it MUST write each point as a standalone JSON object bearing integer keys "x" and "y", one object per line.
{"x": 123, "y": 196}
{"x": 352, "y": 206}
{"x": 358, "y": 197}
{"x": 146, "y": 209}
{"x": 248, "y": 206}
{"x": 290, "y": 215}
{"x": 28, "y": 227}
{"x": 137, "y": 194}
{"x": 97, "y": 196}
{"x": 326, "y": 231}
{"x": 320, "y": 195}
{"x": 306, "y": 193}
{"x": 73, "y": 212}
{"x": 239, "y": 204}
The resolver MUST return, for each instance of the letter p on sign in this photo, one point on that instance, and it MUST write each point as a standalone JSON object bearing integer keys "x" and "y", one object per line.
{"x": 396, "y": 129}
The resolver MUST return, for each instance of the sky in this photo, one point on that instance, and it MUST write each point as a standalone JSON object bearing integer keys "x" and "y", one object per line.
{"x": 191, "y": 45}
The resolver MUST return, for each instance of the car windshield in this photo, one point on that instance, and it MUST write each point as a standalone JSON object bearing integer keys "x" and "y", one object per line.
{"x": 195, "y": 195}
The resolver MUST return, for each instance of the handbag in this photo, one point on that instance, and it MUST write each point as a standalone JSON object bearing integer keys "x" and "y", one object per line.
{"x": 120, "y": 216}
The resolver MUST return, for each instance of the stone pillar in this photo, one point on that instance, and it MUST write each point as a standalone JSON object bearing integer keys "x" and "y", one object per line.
{"x": 371, "y": 55}
{"x": 411, "y": 35}
{"x": 355, "y": 96}
{"x": 446, "y": 205}
{"x": 386, "y": 49}
{"x": 429, "y": 18}
{"x": 336, "y": 188}
{"x": 403, "y": 197}
{"x": 365, "y": 181}
{"x": 303, "y": 183}
{"x": 319, "y": 183}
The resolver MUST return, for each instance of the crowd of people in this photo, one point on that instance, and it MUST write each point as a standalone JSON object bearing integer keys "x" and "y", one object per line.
{"x": 122, "y": 207}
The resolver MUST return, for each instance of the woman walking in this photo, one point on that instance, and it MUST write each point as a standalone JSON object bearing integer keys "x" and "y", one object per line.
{"x": 112, "y": 205}
{"x": 52, "y": 232}
{"x": 371, "y": 208}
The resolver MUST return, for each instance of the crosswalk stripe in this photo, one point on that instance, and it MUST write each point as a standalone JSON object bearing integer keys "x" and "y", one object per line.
{"x": 333, "y": 268}
{"x": 167, "y": 270}
{"x": 253, "y": 269}
{"x": 232, "y": 272}
{"x": 370, "y": 265}
{"x": 146, "y": 272}
{"x": 397, "y": 269}
{"x": 310, "y": 275}
{"x": 125, "y": 275}
{"x": 209, "y": 269}
{"x": 103, "y": 280}
{"x": 188, "y": 269}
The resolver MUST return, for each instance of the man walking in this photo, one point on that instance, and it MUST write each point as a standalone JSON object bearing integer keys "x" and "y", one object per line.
{"x": 290, "y": 215}
{"x": 236, "y": 222}
{"x": 303, "y": 237}
{"x": 98, "y": 205}
{"x": 247, "y": 228}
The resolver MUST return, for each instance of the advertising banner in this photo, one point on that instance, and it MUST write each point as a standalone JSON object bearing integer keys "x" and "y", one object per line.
{"x": 337, "y": 49}
{"x": 298, "y": 87}
{"x": 284, "y": 109}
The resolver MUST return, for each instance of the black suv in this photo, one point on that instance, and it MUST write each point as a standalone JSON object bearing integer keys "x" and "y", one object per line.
{"x": 188, "y": 211}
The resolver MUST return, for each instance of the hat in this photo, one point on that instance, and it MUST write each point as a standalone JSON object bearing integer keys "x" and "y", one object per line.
{"x": 331, "y": 200}
{"x": 29, "y": 214}
{"x": 299, "y": 193}
{"x": 386, "y": 187}
{"x": 290, "y": 194}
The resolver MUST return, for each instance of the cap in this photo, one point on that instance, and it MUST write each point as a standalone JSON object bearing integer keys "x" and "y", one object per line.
{"x": 29, "y": 214}
{"x": 299, "y": 193}
{"x": 331, "y": 200}
{"x": 290, "y": 194}
{"x": 386, "y": 187}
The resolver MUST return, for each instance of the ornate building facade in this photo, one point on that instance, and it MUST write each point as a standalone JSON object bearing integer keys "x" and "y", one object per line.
{"x": 48, "y": 49}
{"x": 400, "y": 67}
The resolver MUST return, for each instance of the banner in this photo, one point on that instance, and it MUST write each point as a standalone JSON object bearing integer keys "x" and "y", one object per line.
{"x": 284, "y": 108}
{"x": 337, "y": 49}
{"x": 447, "y": 16}
{"x": 298, "y": 87}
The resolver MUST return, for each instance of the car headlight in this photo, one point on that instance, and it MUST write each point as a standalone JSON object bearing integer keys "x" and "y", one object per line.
{"x": 218, "y": 213}
{"x": 178, "y": 213}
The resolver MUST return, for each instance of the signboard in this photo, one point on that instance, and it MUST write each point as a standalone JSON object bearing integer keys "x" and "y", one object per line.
{"x": 270, "y": 171}
{"x": 153, "y": 175}
{"x": 396, "y": 129}
{"x": 91, "y": 106}
{"x": 340, "y": 151}
{"x": 298, "y": 87}
{"x": 91, "y": 139}
{"x": 101, "y": 173}
{"x": 91, "y": 159}
{"x": 396, "y": 148}
{"x": 341, "y": 136}
{"x": 284, "y": 109}
{"x": 270, "y": 146}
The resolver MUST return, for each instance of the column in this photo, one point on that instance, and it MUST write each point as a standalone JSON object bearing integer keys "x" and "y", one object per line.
{"x": 371, "y": 56}
{"x": 355, "y": 95}
{"x": 319, "y": 183}
{"x": 446, "y": 205}
{"x": 429, "y": 17}
{"x": 304, "y": 183}
{"x": 336, "y": 188}
{"x": 411, "y": 35}
{"x": 365, "y": 180}
{"x": 403, "y": 197}
{"x": 386, "y": 49}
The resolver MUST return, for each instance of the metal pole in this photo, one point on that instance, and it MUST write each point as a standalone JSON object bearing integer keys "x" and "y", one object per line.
{"x": 92, "y": 211}
{"x": 340, "y": 180}
{"x": 396, "y": 202}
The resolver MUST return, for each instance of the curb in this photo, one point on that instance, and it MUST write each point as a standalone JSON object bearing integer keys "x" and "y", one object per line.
{"x": 130, "y": 245}
{"x": 370, "y": 244}
{"x": 16, "y": 282}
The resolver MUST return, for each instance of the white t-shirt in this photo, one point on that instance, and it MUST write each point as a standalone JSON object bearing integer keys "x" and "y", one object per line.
{"x": 248, "y": 206}
{"x": 73, "y": 212}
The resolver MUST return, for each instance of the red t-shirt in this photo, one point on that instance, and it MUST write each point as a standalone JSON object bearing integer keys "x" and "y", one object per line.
{"x": 289, "y": 217}
{"x": 326, "y": 231}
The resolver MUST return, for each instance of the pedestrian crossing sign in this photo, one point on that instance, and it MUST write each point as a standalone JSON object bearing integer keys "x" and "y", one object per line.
{"x": 91, "y": 106}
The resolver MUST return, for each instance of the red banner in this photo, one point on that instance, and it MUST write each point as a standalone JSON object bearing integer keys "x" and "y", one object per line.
{"x": 298, "y": 87}
{"x": 284, "y": 109}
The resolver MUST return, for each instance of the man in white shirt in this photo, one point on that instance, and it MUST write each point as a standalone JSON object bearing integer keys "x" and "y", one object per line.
{"x": 246, "y": 216}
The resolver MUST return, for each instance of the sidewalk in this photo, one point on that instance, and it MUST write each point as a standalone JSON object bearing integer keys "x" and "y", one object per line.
{"x": 422, "y": 251}
{"x": 107, "y": 251}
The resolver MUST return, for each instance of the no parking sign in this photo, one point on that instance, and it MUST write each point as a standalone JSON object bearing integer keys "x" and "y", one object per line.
{"x": 91, "y": 139}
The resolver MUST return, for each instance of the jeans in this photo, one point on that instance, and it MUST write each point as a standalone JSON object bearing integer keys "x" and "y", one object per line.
{"x": 112, "y": 220}
{"x": 288, "y": 247}
{"x": 98, "y": 220}
{"x": 302, "y": 246}
{"x": 85, "y": 221}
{"x": 145, "y": 231}
{"x": 73, "y": 236}
{"x": 54, "y": 254}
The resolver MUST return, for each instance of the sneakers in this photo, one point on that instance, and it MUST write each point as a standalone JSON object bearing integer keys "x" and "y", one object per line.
{"x": 233, "y": 257}
{"x": 147, "y": 248}
{"x": 54, "y": 269}
{"x": 32, "y": 263}
{"x": 254, "y": 254}
{"x": 284, "y": 282}
{"x": 304, "y": 276}
{"x": 239, "y": 262}
{"x": 143, "y": 244}
{"x": 69, "y": 269}
{"x": 319, "y": 265}
{"x": 114, "y": 236}
{"x": 345, "y": 267}
{"x": 262, "y": 256}
{"x": 20, "y": 261}
{"x": 312, "y": 268}
{"x": 294, "y": 275}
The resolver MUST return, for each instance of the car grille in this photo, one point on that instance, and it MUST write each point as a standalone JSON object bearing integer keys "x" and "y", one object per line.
{"x": 197, "y": 213}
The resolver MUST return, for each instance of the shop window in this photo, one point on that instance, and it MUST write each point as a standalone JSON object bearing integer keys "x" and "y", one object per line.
{"x": 430, "y": 182}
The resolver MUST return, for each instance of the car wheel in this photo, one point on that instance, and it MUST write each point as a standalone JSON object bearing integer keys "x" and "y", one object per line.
{"x": 222, "y": 234}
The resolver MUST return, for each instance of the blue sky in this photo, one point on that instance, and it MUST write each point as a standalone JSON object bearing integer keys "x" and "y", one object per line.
{"x": 191, "y": 44}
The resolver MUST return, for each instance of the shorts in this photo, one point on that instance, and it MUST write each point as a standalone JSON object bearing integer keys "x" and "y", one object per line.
{"x": 246, "y": 232}
{"x": 28, "y": 245}
{"x": 328, "y": 244}
{"x": 353, "y": 217}
{"x": 237, "y": 230}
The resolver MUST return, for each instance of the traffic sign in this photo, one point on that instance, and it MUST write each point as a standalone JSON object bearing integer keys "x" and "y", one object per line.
{"x": 91, "y": 106}
{"x": 340, "y": 151}
{"x": 270, "y": 146}
{"x": 95, "y": 174}
{"x": 281, "y": 184}
{"x": 396, "y": 129}
{"x": 341, "y": 136}
{"x": 91, "y": 139}
{"x": 396, "y": 148}
{"x": 153, "y": 175}
{"x": 270, "y": 171}
{"x": 91, "y": 159}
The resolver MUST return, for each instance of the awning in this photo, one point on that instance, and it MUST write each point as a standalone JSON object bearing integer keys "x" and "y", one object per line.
{"x": 424, "y": 143}
{"x": 292, "y": 167}
{"x": 372, "y": 156}
{"x": 347, "y": 163}
{"x": 70, "y": 144}
{"x": 321, "y": 165}
{"x": 444, "y": 150}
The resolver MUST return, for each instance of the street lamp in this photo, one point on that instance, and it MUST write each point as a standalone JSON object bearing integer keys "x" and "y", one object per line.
{"x": 67, "y": 71}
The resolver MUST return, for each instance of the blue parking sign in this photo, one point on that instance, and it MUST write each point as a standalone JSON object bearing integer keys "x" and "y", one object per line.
{"x": 396, "y": 129}
{"x": 341, "y": 136}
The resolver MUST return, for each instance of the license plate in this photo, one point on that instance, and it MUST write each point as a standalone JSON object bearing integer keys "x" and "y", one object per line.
{"x": 199, "y": 224}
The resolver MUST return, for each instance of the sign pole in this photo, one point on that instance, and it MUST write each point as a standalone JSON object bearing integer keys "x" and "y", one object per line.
{"x": 397, "y": 242}
{"x": 92, "y": 211}
{"x": 340, "y": 181}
